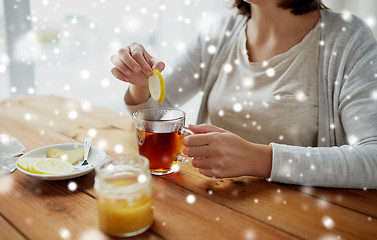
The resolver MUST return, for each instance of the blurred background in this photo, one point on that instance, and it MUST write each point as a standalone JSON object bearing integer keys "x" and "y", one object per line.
{"x": 64, "y": 47}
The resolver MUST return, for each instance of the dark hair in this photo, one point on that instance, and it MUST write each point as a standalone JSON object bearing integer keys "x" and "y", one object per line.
{"x": 297, "y": 7}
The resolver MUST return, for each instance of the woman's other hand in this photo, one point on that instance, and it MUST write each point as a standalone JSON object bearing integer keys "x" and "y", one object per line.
{"x": 219, "y": 153}
{"x": 134, "y": 64}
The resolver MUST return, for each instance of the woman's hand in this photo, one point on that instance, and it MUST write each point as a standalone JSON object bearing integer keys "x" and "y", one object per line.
{"x": 134, "y": 64}
{"x": 220, "y": 154}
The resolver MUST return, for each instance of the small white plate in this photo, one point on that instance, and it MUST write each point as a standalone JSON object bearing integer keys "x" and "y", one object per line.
{"x": 96, "y": 156}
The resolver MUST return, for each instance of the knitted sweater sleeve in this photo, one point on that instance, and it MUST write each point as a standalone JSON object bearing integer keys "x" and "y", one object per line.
{"x": 350, "y": 85}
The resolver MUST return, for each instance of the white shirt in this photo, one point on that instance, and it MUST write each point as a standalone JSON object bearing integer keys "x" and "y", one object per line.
{"x": 260, "y": 101}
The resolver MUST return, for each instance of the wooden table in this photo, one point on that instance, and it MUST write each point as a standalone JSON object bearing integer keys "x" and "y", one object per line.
{"x": 239, "y": 208}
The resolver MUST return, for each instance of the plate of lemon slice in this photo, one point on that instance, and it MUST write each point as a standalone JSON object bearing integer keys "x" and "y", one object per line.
{"x": 59, "y": 161}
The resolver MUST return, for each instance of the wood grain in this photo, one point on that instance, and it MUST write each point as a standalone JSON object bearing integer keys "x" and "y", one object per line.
{"x": 238, "y": 208}
{"x": 8, "y": 231}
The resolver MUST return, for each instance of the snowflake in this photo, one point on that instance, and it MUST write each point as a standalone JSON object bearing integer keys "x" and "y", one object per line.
{"x": 118, "y": 148}
{"x": 85, "y": 74}
{"x": 65, "y": 233}
{"x": 190, "y": 199}
{"x": 142, "y": 178}
{"x": 374, "y": 94}
{"x": 227, "y": 67}
{"x": 212, "y": 49}
{"x": 102, "y": 144}
{"x": 72, "y": 186}
{"x": 175, "y": 168}
{"x": 27, "y": 116}
{"x": 249, "y": 234}
{"x": 31, "y": 91}
{"x": 328, "y": 222}
{"x": 86, "y": 106}
{"x": 237, "y": 107}
{"x": 248, "y": 83}
{"x": 3, "y": 68}
{"x": 180, "y": 46}
{"x": 6, "y": 188}
{"x": 270, "y": 72}
{"x": 72, "y": 115}
{"x": 92, "y": 132}
{"x": 187, "y": 21}
{"x": 105, "y": 83}
{"x": 371, "y": 21}
{"x": 352, "y": 139}
{"x": 93, "y": 234}
{"x": 347, "y": 16}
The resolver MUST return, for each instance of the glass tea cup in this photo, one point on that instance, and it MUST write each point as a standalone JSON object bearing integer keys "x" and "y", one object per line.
{"x": 160, "y": 133}
{"x": 124, "y": 195}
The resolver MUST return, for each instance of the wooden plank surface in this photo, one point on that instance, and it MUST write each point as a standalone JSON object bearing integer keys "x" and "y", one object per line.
{"x": 239, "y": 208}
{"x": 302, "y": 215}
{"x": 9, "y": 231}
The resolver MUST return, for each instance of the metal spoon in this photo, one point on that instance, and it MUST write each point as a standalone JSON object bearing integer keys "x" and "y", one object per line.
{"x": 87, "y": 143}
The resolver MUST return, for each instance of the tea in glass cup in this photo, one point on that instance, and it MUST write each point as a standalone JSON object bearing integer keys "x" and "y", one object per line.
{"x": 124, "y": 195}
{"x": 160, "y": 133}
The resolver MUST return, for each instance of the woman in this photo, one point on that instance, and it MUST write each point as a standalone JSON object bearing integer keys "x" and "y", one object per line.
{"x": 293, "y": 84}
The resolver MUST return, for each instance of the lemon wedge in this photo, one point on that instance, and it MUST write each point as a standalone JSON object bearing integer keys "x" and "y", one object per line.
{"x": 156, "y": 86}
{"x": 50, "y": 166}
{"x": 24, "y": 163}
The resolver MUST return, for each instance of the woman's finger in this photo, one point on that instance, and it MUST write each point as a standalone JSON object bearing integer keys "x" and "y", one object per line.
{"x": 119, "y": 75}
{"x": 158, "y": 65}
{"x": 125, "y": 56}
{"x": 199, "y": 151}
{"x": 140, "y": 55}
{"x": 207, "y": 172}
{"x": 119, "y": 64}
{"x": 205, "y": 128}
{"x": 196, "y": 140}
{"x": 200, "y": 162}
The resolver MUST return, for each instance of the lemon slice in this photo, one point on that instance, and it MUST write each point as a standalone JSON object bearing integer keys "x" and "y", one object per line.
{"x": 24, "y": 163}
{"x": 156, "y": 86}
{"x": 51, "y": 166}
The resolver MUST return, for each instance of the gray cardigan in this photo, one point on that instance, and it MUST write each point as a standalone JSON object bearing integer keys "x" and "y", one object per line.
{"x": 346, "y": 151}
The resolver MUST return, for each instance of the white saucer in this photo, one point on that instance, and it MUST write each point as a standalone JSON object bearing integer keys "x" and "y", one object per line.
{"x": 96, "y": 156}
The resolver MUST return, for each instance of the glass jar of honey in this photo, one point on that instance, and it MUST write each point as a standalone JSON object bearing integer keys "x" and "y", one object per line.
{"x": 124, "y": 195}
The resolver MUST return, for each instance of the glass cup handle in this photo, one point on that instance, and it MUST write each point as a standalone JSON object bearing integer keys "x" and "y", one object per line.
{"x": 180, "y": 157}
